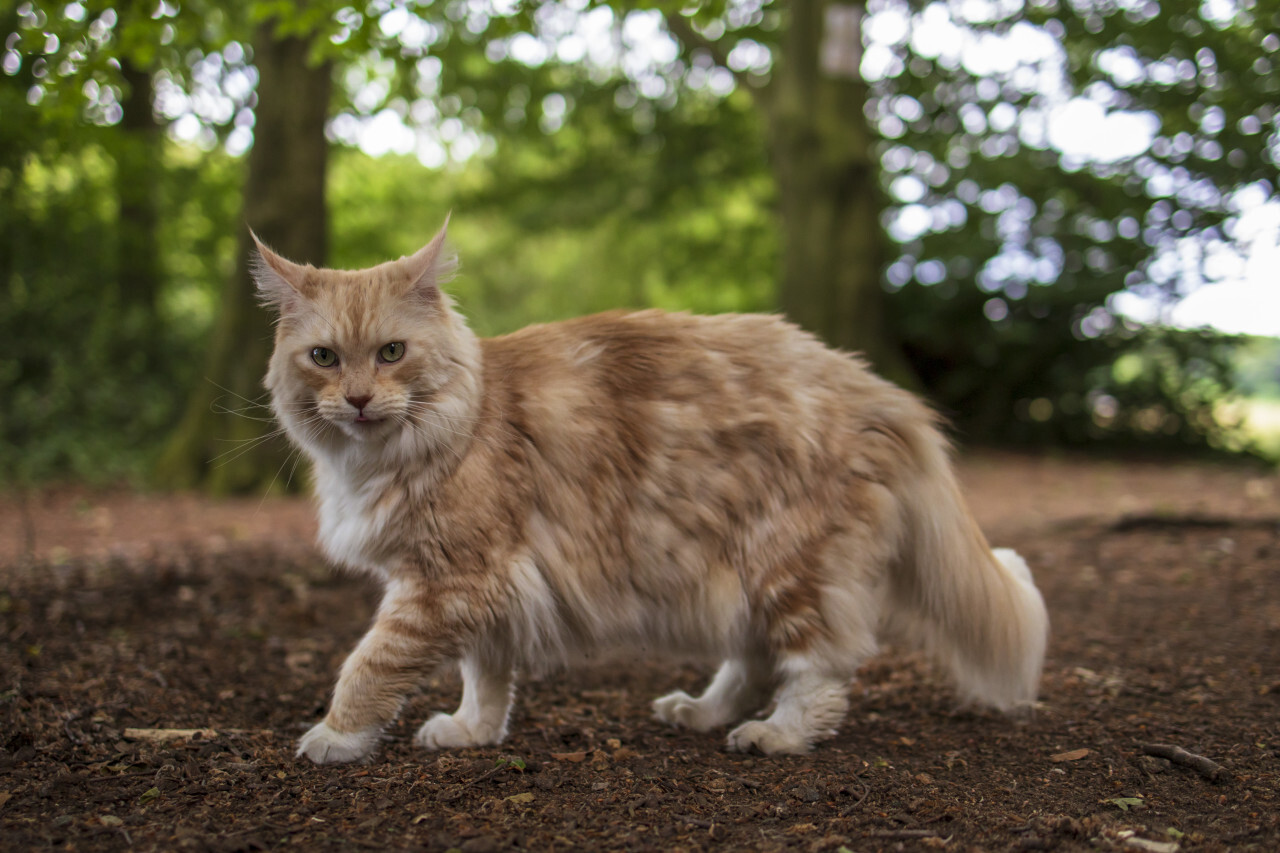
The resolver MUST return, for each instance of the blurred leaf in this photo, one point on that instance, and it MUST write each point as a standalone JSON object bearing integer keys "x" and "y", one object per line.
{"x": 1126, "y": 803}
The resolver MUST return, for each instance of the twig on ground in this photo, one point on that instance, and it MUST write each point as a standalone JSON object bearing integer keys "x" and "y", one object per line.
{"x": 1209, "y": 769}
{"x": 903, "y": 833}
{"x": 866, "y": 792}
{"x": 741, "y": 780}
{"x": 182, "y": 734}
{"x": 457, "y": 792}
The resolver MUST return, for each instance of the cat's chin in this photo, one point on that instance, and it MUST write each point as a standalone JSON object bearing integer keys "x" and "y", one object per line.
{"x": 366, "y": 430}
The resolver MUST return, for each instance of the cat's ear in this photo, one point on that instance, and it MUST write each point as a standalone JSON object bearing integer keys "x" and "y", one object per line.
{"x": 432, "y": 265}
{"x": 279, "y": 280}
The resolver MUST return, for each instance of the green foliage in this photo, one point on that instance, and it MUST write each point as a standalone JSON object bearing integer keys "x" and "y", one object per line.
{"x": 1148, "y": 389}
{"x": 1258, "y": 368}
{"x": 1006, "y": 297}
{"x": 713, "y": 253}
{"x": 94, "y": 381}
{"x": 76, "y": 360}
{"x": 589, "y": 194}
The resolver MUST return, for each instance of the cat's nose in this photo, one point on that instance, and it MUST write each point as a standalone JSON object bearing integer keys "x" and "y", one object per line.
{"x": 361, "y": 401}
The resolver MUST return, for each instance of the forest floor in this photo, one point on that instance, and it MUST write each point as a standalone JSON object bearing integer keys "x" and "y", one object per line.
{"x": 125, "y": 617}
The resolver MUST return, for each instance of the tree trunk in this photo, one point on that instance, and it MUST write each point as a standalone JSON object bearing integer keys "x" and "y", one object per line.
{"x": 284, "y": 202}
{"x": 823, "y": 156}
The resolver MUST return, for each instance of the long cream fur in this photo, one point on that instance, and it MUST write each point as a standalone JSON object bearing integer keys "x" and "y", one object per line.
{"x": 717, "y": 486}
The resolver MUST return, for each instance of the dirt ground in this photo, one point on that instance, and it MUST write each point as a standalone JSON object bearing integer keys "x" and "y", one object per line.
{"x": 125, "y": 617}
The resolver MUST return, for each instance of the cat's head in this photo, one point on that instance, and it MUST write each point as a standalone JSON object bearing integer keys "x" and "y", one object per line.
{"x": 373, "y": 358}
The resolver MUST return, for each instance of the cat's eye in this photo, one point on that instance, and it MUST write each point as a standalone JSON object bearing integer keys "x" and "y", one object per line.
{"x": 324, "y": 357}
{"x": 391, "y": 352}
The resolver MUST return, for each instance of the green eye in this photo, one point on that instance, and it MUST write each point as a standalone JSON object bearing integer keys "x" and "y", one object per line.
{"x": 324, "y": 357}
{"x": 391, "y": 352}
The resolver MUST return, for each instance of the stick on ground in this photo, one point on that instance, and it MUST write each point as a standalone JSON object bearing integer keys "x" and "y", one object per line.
{"x": 1207, "y": 768}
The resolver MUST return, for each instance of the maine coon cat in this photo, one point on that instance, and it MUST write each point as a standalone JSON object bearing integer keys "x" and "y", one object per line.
{"x": 725, "y": 487}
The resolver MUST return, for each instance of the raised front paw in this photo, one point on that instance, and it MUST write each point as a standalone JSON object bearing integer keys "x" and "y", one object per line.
{"x": 324, "y": 745}
{"x": 769, "y": 738}
{"x": 446, "y": 731}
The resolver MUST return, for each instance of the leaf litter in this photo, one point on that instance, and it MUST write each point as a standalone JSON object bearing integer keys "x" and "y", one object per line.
{"x": 225, "y": 654}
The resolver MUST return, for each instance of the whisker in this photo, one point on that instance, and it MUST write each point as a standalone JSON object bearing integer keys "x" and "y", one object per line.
{"x": 267, "y": 491}
{"x": 240, "y": 414}
{"x": 246, "y": 445}
{"x": 297, "y": 457}
{"x": 251, "y": 402}
{"x": 438, "y": 423}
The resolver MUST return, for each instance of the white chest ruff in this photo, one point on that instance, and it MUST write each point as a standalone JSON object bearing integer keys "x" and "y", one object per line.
{"x": 351, "y": 524}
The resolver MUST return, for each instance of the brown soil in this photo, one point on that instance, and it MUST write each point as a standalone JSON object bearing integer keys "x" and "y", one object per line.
{"x": 122, "y": 612}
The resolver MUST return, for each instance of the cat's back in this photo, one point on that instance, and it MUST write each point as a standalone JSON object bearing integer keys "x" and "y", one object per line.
{"x": 659, "y": 373}
{"x": 656, "y": 354}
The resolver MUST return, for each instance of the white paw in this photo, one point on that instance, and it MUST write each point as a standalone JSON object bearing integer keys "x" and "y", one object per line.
{"x": 323, "y": 745}
{"x": 446, "y": 731}
{"x": 681, "y": 709}
{"x": 767, "y": 737}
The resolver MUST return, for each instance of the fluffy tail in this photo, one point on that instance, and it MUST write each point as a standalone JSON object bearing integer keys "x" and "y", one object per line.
{"x": 976, "y": 611}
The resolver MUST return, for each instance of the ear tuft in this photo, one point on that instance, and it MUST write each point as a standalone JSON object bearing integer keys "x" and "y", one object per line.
{"x": 278, "y": 280}
{"x": 432, "y": 265}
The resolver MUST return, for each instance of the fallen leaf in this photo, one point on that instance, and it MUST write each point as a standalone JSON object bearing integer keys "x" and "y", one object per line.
{"x": 1073, "y": 755}
{"x": 5, "y": 796}
{"x": 573, "y": 757}
{"x": 520, "y": 799}
{"x": 1126, "y": 803}
{"x": 1151, "y": 846}
{"x": 419, "y": 819}
{"x": 110, "y": 820}
{"x": 149, "y": 795}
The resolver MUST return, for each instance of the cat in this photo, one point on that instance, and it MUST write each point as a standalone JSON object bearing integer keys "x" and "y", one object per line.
{"x": 722, "y": 486}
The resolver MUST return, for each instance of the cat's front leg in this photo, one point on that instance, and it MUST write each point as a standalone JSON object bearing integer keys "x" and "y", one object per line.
{"x": 481, "y": 719}
{"x": 410, "y": 637}
{"x": 323, "y": 745}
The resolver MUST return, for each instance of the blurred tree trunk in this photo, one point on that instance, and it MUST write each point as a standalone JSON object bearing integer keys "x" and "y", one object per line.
{"x": 822, "y": 154}
{"x": 824, "y": 160}
{"x": 284, "y": 202}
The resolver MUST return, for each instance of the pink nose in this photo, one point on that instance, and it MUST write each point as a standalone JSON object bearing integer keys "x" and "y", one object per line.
{"x": 360, "y": 402}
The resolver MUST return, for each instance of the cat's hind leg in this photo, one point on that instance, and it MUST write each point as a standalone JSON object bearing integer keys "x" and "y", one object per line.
{"x": 739, "y": 687}
{"x": 809, "y": 706}
{"x": 819, "y": 642}
{"x": 488, "y": 687}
